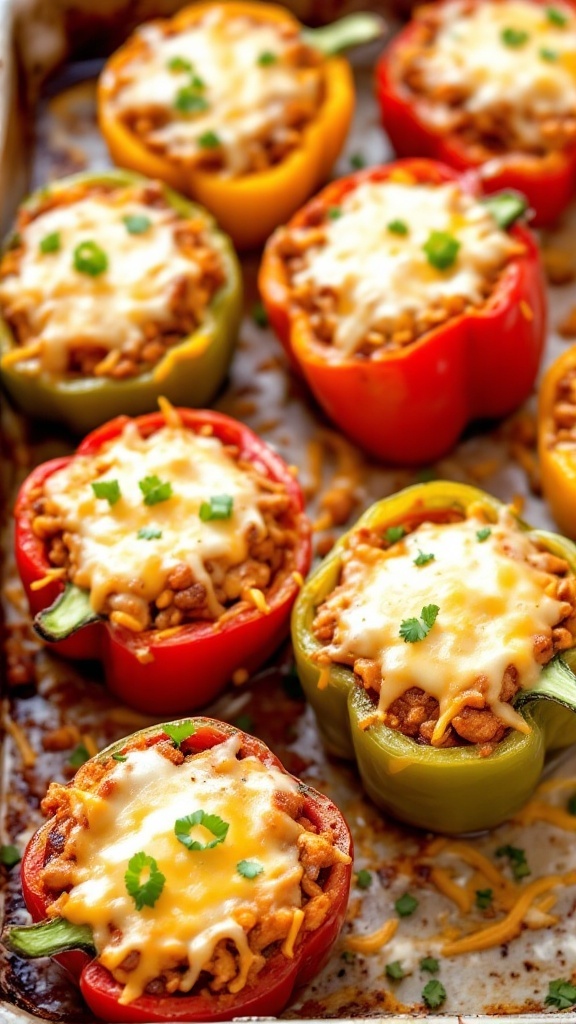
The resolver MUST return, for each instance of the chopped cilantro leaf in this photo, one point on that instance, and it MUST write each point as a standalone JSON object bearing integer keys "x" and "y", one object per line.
{"x": 211, "y": 822}
{"x": 209, "y": 140}
{"x": 249, "y": 868}
{"x": 394, "y": 533}
{"x": 119, "y": 757}
{"x": 179, "y": 731}
{"x": 364, "y": 879}
{"x": 334, "y": 212}
{"x": 483, "y": 534}
{"x": 219, "y": 507}
{"x": 189, "y": 101}
{"x": 348, "y": 956}
{"x": 395, "y": 971}
{"x": 561, "y": 994}
{"x": 422, "y": 558}
{"x": 50, "y": 243}
{"x": 549, "y": 55}
{"x": 514, "y": 37}
{"x": 78, "y": 756}
{"x": 433, "y": 994}
{"x": 154, "y": 490}
{"x": 517, "y": 859}
{"x": 484, "y": 898}
{"x": 90, "y": 259}
{"x": 149, "y": 533}
{"x": 179, "y": 64}
{"x": 556, "y": 17}
{"x": 259, "y": 315}
{"x": 413, "y": 630}
{"x": 145, "y": 893}
{"x": 10, "y": 856}
{"x": 266, "y": 58}
{"x": 441, "y": 249}
{"x": 397, "y": 227}
{"x": 136, "y": 223}
{"x": 107, "y": 489}
{"x": 244, "y": 722}
{"x": 406, "y": 905}
{"x": 429, "y": 964}
{"x": 357, "y": 161}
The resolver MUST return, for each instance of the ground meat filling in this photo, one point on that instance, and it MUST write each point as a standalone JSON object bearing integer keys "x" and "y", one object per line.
{"x": 193, "y": 589}
{"x": 103, "y": 322}
{"x": 266, "y": 932}
{"x": 564, "y": 412}
{"x": 527, "y": 105}
{"x": 229, "y": 94}
{"x": 415, "y": 712}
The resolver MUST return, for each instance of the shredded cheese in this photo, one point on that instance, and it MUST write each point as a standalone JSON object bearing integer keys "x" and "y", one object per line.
{"x": 375, "y": 941}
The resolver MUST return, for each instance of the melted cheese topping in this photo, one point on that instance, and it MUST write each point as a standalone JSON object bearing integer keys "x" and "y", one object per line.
{"x": 378, "y": 275}
{"x": 468, "y": 52}
{"x": 66, "y": 308}
{"x": 492, "y": 605}
{"x": 204, "y": 895}
{"x": 246, "y": 100}
{"x": 109, "y": 554}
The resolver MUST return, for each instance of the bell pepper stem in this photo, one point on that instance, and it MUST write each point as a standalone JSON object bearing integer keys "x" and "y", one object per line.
{"x": 557, "y": 682}
{"x": 506, "y": 207}
{"x": 70, "y": 611}
{"x": 345, "y": 33}
{"x": 48, "y": 938}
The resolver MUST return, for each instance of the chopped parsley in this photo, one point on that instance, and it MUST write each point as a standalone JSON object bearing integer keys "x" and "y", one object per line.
{"x": 266, "y": 58}
{"x": 78, "y": 756}
{"x": 430, "y": 964}
{"x": 249, "y": 868}
{"x": 219, "y": 507}
{"x": 397, "y": 227}
{"x": 484, "y": 898}
{"x": 514, "y": 37}
{"x": 364, "y": 879}
{"x": 189, "y": 101}
{"x": 561, "y": 994}
{"x": 517, "y": 859}
{"x": 149, "y": 533}
{"x": 119, "y": 757}
{"x": 10, "y": 856}
{"x": 90, "y": 259}
{"x": 50, "y": 243}
{"x": 572, "y": 805}
{"x": 179, "y": 64}
{"x": 136, "y": 223}
{"x": 179, "y": 731}
{"x": 433, "y": 994}
{"x": 209, "y": 140}
{"x": 546, "y": 54}
{"x": 154, "y": 490}
{"x": 395, "y": 971}
{"x": 259, "y": 315}
{"x": 107, "y": 489}
{"x": 145, "y": 893}
{"x": 556, "y": 17}
{"x": 394, "y": 533}
{"x": 357, "y": 161}
{"x": 406, "y": 905}
{"x": 211, "y": 822}
{"x": 413, "y": 630}
{"x": 441, "y": 249}
{"x": 334, "y": 212}
{"x": 422, "y": 558}
{"x": 483, "y": 534}
{"x": 348, "y": 956}
{"x": 506, "y": 207}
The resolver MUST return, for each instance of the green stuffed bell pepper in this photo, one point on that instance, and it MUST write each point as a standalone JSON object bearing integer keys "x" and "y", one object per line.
{"x": 435, "y": 644}
{"x": 115, "y": 290}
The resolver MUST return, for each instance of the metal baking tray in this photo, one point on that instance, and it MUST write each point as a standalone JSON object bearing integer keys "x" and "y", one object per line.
{"x": 47, "y": 129}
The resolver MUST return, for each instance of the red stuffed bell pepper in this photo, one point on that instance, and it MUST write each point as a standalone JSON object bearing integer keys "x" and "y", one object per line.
{"x": 215, "y": 915}
{"x": 514, "y": 121}
{"x": 411, "y": 306}
{"x": 171, "y": 547}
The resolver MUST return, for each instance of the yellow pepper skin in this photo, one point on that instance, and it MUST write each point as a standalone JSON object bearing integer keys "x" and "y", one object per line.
{"x": 189, "y": 374}
{"x": 557, "y": 465}
{"x": 451, "y": 790}
{"x": 249, "y": 207}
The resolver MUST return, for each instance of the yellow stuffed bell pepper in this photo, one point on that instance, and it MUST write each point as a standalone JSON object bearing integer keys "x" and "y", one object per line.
{"x": 557, "y": 440}
{"x": 193, "y": 101}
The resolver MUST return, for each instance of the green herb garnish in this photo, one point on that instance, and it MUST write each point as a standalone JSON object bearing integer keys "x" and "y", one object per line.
{"x": 561, "y": 994}
{"x": 422, "y": 558}
{"x": 136, "y": 223}
{"x": 249, "y": 868}
{"x": 334, "y": 212}
{"x": 244, "y": 722}
{"x": 441, "y": 249}
{"x": 483, "y": 534}
{"x": 119, "y": 757}
{"x": 259, "y": 315}
{"x": 179, "y": 731}
{"x": 395, "y": 971}
{"x": 394, "y": 533}
{"x": 219, "y": 507}
{"x": 189, "y": 101}
{"x": 406, "y": 905}
{"x": 413, "y": 630}
{"x": 549, "y": 55}
{"x": 429, "y": 964}
{"x": 90, "y": 259}
{"x": 209, "y": 140}
{"x": 149, "y": 533}
{"x": 506, "y": 207}
{"x": 364, "y": 879}
{"x": 484, "y": 898}
{"x": 514, "y": 37}
{"x": 179, "y": 64}
{"x": 211, "y": 822}
{"x": 357, "y": 161}
{"x": 517, "y": 859}
{"x": 10, "y": 856}
{"x": 107, "y": 489}
{"x": 433, "y": 994}
{"x": 154, "y": 490}
{"x": 78, "y": 756}
{"x": 397, "y": 227}
{"x": 267, "y": 58}
{"x": 556, "y": 17}
{"x": 145, "y": 893}
{"x": 50, "y": 243}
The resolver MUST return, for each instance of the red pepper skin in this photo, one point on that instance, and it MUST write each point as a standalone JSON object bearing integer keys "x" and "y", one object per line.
{"x": 548, "y": 182}
{"x": 411, "y": 406}
{"x": 191, "y": 666}
{"x": 280, "y": 976}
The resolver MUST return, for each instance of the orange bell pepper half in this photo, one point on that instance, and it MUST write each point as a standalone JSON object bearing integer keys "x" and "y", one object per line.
{"x": 558, "y": 455}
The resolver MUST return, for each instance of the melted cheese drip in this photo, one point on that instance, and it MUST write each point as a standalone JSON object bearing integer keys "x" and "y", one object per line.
{"x": 68, "y": 309}
{"x": 378, "y": 275}
{"x": 111, "y": 556}
{"x": 246, "y": 101}
{"x": 492, "y": 605}
{"x": 468, "y": 52}
{"x": 204, "y": 895}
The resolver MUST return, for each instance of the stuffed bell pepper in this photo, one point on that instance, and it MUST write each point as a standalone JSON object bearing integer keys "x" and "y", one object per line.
{"x": 557, "y": 440}
{"x": 171, "y": 547}
{"x": 234, "y": 104}
{"x": 425, "y": 643}
{"x": 192, "y": 876}
{"x": 488, "y": 84}
{"x": 410, "y": 305}
{"x": 113, "y": 291}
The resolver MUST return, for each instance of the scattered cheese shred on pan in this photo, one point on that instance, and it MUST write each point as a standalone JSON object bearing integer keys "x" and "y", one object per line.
{"x": 372, "y": 943}
{"x": 27, "y": 754}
